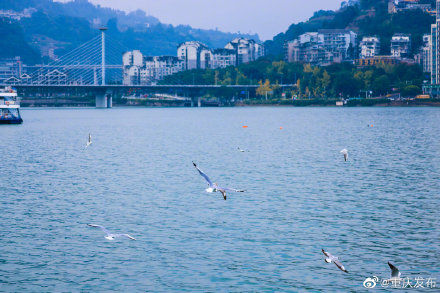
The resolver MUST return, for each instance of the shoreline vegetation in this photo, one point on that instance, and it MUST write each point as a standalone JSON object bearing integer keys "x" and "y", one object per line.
{"x": 348, "y": 103}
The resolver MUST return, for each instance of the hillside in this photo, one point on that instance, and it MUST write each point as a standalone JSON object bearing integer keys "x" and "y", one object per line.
{"x": 13, "y": 43}
{"x": 64, "y": 26}
{"x": 368, "y": 17}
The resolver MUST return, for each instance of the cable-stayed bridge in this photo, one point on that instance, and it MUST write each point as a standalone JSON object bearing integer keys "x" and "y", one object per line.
{"x": 96, "y": 68}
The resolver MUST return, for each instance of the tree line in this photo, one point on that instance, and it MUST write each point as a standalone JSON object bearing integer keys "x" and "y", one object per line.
{"x": 342, "y": 80}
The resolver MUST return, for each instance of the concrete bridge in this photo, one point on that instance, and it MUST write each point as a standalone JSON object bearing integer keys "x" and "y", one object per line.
{"x": 104, "y": 94}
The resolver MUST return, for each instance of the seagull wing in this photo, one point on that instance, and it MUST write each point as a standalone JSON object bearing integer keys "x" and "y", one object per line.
{"x": 125, "y": 235}
{"x": 100, "y": 227}
{"x": 223, "y": 192}
{"x": 203, "y": 175}
{"x": 395, "y": 273}
{"x": 233, "y": 190}
{"x": 327, "y": 254}
{"x": 339, "y": 265}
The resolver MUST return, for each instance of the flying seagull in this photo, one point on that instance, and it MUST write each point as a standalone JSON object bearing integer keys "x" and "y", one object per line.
{"x": 89, "y": 141}
{"x": 330, "y": 258}
{"x": 241, "y": 150}
{"x": 395, "y": 273}
{"x": 213, "y": 187}
{"x": 109, "y": 235}
{"x": 345, "y": 153}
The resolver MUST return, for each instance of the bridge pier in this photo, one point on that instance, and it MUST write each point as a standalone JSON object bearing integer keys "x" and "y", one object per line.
{"x": 103, "y": 100}
{"x": 199, "y": 102}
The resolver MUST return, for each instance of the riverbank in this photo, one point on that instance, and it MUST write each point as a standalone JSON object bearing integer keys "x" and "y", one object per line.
{"x": 347, "y": 103}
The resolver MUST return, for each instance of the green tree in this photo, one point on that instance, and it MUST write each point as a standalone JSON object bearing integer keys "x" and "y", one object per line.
{"x": 410, "y": 91}
{"x": 381, "y": 85}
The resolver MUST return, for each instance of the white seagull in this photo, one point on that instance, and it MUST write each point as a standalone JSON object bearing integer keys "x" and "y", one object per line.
{"x": 89, "y": 141}
{"x": 213, "y": 187}
{"x": 110, "y": 236}
{"x": 330, "y": 258}
{"x": 395, "y": 273}
{"x": 345, "y": 153}
{"x": 240, "y": 150}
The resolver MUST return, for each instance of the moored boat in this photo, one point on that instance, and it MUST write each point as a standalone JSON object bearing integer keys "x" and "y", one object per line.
{"x": 9, "y": 107}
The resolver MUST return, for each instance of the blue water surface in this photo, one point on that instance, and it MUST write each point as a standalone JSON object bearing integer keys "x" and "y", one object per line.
{"x": 137, "y": 178}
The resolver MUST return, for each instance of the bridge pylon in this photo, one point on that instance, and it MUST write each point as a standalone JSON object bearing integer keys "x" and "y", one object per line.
{"x": 104, "y": 99}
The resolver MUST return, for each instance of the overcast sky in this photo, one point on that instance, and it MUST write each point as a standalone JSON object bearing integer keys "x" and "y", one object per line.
{"x": 265, "y": 17}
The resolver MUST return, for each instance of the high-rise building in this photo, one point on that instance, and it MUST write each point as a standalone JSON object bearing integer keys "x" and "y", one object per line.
{"x": 434, "y": 88}
{"x": 323, "y": 47}
{"x": 139, "y": 69}
{"x": 198, "y": 56}
{"x": 434, "y": 54}
{"x": 222, "y": 58}
{"x": 425, "y": 53}
{"x": 370, "y": 47}
{"x": 339, "y": 41}
{"x": 401, "y": 45}
{"x": 193, "y": 54}
{"x": 435, "y": 47}
{"x": 245, "y": 50}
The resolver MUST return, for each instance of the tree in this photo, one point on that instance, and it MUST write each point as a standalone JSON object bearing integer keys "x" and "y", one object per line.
{"x": 410, "y": 91}
{"x": 381, "y": 85}
{"x": 240, "y": 78}
{"x": 324, "y": 82}
{"x": 264, "y": 88}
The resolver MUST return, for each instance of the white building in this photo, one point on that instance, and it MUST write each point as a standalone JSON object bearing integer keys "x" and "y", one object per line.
{"x": 426, "y": 53}
{"x": 370, "y": 47}
{"x": 401, "y": 45}
{"x": 222, "y": 58}
{"x": 132, "y": 62}
{"x": 245, "y": 50}
{"x": 311, "y": 37}
{"x": 435, "y": 52}
{"x": 260, "y": 51}
{"x": 323, "y": 47}
{"x": 205, "y": 58}
{"x": 339, "y": 41}
{"x": 157, "y": 67}
{"x": 194, "y": 55}
{"x": 139, "y": 69}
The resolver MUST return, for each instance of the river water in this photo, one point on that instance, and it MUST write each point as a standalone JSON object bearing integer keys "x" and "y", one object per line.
{"x": 137, "y": 177}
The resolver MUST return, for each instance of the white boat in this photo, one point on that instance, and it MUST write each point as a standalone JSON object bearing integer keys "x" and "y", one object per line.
{"x": 9, "y": 107}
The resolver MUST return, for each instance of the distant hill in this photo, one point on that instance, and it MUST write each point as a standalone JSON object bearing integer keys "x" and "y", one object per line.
{"x": 366, "y": 17}
{"x": 13, "y": 43}
{"x": 64, "y": 26}
{"x": 84, "y": 9}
